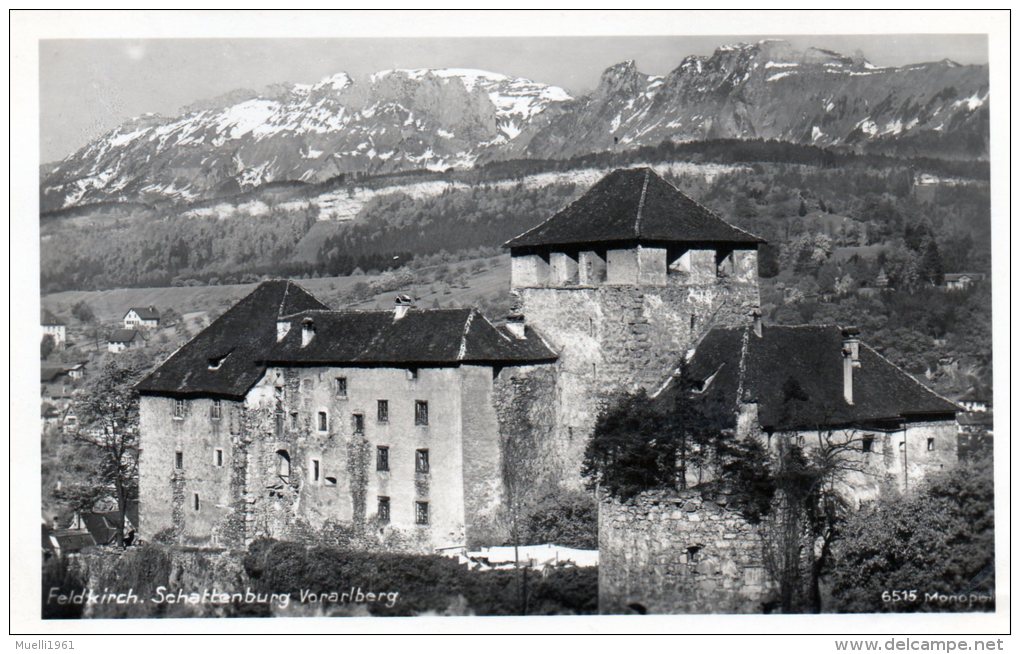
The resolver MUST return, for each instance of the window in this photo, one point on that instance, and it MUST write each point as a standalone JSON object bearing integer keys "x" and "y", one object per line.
{"x": 313, "y": 471}
{"x": 283, "y": 464}
{"x": 197, "y": 504}
{"x": 421, "y": 513}
{"x": 383, "y": 411}
{"x": 359, "y": 423}
{"x": 293, "y": 419}
{"x": 421, "y": 412}
{"x": 421, "y": 461}
{"x": 323, "y": 421}
{"x": 412, "y": 374}
{"x": 693, "y": 553}
{"x": 383, "y": 510}
{"x": 216, "y": 410}
{"x": 218, "y": 457}
{"x": 340, "y": 386}
{"x": 694, "y": 321}
{"x": 868, "y": 444}
{"x": 931, "y": 444}
{"x": 179, "y": 460}
{"x": 382, "y": 458}
{"x": 179, "y": 409}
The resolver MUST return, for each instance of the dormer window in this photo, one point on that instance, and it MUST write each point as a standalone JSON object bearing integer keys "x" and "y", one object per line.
{"x": 216, "y": 362}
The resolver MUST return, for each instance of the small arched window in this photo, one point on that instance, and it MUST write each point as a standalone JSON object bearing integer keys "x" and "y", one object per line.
{"x": 283, "y": 464}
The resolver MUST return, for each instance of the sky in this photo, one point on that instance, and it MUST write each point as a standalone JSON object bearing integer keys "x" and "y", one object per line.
{"x": 89, "y": 86}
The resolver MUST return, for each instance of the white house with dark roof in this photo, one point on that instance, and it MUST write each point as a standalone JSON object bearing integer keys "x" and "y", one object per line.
{"x": 141, "y": 318}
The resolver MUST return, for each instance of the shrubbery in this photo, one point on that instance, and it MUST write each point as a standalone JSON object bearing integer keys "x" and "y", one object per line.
{"x": 426, "y": 584}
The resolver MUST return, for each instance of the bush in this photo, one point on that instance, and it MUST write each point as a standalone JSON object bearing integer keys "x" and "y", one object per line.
{"x": 57, "y": 574}
{"x": 424, "y": 583}
{"x": 940, "y": 539}
{"x": 563, "y": 517}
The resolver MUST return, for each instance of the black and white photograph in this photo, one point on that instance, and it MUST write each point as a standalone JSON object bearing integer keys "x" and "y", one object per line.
{"x": 346, "y": 326}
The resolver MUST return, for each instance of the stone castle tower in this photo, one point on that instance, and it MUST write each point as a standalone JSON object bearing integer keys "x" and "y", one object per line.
{"x": 622, "y": 283}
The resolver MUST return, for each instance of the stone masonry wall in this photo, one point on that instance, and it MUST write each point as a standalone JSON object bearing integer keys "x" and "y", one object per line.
{"x": 677, "y": 552}
{"x": 613, "y": 338}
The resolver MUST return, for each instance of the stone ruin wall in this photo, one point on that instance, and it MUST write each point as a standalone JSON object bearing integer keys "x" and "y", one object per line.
{"x": 676, "y": 552}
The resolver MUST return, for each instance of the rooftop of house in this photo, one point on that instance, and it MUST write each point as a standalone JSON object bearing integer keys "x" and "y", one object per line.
{"x": 229, "y": 356}
{"x": 633, "y": 204}
{"x": 795, "y": 375}
{"x": 421, "y": 336}
{"x": 50, "y": 373}
{"x": 145, "y": 313}
{"x": 122, "y": 336}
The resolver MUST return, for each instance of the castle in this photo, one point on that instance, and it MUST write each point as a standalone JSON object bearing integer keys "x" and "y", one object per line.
{"x": 406, "y": 428}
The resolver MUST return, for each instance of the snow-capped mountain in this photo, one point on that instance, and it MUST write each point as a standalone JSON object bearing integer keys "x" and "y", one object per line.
{"x": 395, "y": 120}
{"x": 770, "y": 90}
{"x": 440, "y": 118}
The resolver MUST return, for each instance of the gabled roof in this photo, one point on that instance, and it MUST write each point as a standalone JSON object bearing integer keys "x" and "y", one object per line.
{"x": 50, "y": 373}
{"x": 430, "y": 336}
{"x": 795, "y": 375}
{"x": 633, "y": 204}
{"x": 237, "y": 339}
{"x": 123, "y": 336}
{"x": 229, "y": 356}
{"x": 145, "y": 313}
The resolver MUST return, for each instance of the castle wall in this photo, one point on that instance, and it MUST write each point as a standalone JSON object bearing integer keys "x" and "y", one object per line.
{"x": 167, "y": 494}
{"x": 624, "y": 337}
{"x": 646, "y": 556}
{"x": 482, "y": 458}
{"x": 526, "y": 405}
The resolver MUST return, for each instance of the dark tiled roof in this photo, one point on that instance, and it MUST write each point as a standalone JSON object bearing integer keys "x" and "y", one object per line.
{"x": 629, "y": 205}
{"x": 123, "y": 336}
{"x": 73, "y": 540}
{"x": 243, "y": 342}
{"x": 795, "y": 375}
{"x": 977, "y": 419}
{"x": 433, "y": 336}
{"x": 49, "y": 373}
{"x": 103, "y": 526}
{"x": 145, "y": 313}
{"x": 242, "y": 335}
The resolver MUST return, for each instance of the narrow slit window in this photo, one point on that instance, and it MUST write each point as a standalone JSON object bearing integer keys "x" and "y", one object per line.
{"x": 323, "y": 421}
{"x": 197, "y": 502}
{"x": 931, "y": 444}
{"x": 218, "y": 457}
{"x": 314, "y": 471}
{"x": 178, "y": 460}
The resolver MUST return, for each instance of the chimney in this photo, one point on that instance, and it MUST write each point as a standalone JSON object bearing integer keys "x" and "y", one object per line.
{"x": 851, "y": 360}
{"x": 282, "y": 327}
{"x": 401, "y": 305}
{"x": 515, "y": 325}
{"x": 756, "y": 321}
{"x": 307, "y": 331}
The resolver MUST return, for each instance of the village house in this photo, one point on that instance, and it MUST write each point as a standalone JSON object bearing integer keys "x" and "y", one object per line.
{"x": 141, "y": 318}
{"x": 961, "y": 281}
{"x": 55, "y": 329}
{"x": 124, "y": 339}
{"x": 412, "y": 429}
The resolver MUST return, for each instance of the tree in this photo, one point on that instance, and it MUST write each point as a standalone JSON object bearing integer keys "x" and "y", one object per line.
{"x": 802, "y": 209}
{"x": 107, "y": 411}
{"x": 47, "y": 346}
{"x": 938, "y": 539}
{"x": 83, "y": 312}
{"x": 630, "y": 451}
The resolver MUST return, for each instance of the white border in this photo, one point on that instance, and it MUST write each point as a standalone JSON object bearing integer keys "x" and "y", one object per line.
{"x": 28, "y": 27}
